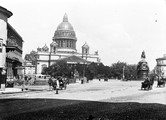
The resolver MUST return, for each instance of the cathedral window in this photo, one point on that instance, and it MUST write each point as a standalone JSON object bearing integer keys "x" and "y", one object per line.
{"x": 58, "y": 43}
{"x": 70, "y": 43}
{"x": 54, "y": 49}
{"x": 62, "y": 43}
{"x": 86, "y": 51}
{"x": 74, "y": 44}
{"x": 0, "y": 47}
{"x": 67, "y": 43}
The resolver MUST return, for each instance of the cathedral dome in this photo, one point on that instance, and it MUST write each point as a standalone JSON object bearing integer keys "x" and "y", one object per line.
{"x": 65, "y": 25}
{"x": 65, "y": 30}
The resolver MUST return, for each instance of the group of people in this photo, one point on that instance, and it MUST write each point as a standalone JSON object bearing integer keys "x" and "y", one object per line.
{"x": 57, "y": 83}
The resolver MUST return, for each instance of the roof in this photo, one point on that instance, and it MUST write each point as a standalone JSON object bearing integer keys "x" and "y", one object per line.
{"x": 85, "y": 45}
{"x": 15, "y": 32}
{"x": 6, "y": 12}
{"x": 65, "y": 25}
{"x": 74, "y": 60}
{"x": 162, "y": 58}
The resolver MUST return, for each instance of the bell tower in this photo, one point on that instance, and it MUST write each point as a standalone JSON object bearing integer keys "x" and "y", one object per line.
{"x": 85, "y": 50}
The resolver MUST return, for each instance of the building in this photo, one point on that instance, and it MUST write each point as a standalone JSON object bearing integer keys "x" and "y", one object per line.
{"x": 63, "y": 45}
{"x": 11, "y": 44}
{"x": 29, "y": 68}
{"x": 161, "y": 66}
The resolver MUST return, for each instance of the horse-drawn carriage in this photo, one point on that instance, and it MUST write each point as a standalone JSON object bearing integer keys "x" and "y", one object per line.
{"x": 147, "y": 84}
{"x": 62, "y": 84}
{"x": 161, "y": 82}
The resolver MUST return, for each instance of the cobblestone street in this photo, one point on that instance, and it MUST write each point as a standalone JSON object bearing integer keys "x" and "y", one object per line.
{"x": 111, "y": 91}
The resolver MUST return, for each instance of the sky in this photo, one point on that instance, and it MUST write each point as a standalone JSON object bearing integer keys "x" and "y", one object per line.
{"x": 119, "y": 29}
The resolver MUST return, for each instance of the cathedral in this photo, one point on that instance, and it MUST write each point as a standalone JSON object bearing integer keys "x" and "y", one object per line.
{"x": 63, "y": 46}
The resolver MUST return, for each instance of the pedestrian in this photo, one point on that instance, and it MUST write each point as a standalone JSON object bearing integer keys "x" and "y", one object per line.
{"x": 57, "y": 82}
{"x": 50, "y": 82}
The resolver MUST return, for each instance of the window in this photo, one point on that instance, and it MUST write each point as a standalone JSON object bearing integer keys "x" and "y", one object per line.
{"x": 0, "y": 47}
{"x": 54, "y": 49}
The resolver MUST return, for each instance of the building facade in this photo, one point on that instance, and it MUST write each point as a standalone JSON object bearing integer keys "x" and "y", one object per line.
{"x": 11, "y": 44}
{"x": 29, "y": 68}
{"x": 161, "y": 66}
{"x": 63, "y": 46}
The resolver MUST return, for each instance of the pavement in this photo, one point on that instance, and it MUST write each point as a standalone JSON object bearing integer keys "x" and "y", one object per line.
{"x": 10, "y": 90}
{"x": 111, "y": 91}
{"x": 18, "y": 89}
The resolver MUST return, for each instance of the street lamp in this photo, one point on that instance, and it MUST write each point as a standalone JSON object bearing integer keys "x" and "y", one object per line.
{"x": 123, "y": 77}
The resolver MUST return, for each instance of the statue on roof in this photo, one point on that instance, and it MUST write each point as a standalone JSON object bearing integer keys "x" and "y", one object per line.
{"x": 143, "y": 55}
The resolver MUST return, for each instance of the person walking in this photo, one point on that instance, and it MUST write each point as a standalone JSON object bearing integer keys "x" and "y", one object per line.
{"x": 50, "y": 81}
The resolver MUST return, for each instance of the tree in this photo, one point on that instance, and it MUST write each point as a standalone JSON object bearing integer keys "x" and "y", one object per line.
{"x": 91, "y": 71}
{"x": 100, "y": 70}
{"x": 31, "y": 57}
{"x": 131, "y": 71}
{"x": 117, "y": 69}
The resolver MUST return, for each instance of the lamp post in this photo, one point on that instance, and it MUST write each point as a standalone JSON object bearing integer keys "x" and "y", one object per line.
{"x": 123, "y": 77}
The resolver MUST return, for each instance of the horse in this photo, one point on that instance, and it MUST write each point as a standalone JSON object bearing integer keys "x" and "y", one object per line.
{"x": 62, "y": 84}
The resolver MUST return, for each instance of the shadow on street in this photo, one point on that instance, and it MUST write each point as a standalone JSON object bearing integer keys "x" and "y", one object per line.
{"x": 61, "y": 109}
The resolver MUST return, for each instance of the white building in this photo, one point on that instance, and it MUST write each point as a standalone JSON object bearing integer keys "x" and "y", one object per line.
{"x": 63, "y": 46}
{"x": 161, "y": 66}
{"x": 29, "y": 69}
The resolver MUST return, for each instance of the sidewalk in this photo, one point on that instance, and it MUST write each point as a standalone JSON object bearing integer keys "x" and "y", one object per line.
{"x": 10, "y": 90}
{"x": 18, "y": 89}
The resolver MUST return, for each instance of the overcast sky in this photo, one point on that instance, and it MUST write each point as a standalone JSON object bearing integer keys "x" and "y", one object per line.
{"x": 119, "y": 29}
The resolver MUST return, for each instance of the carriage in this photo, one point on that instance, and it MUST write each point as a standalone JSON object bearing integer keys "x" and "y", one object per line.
{"x": 62, "y": 84}
{"x": 147, "y": 84}
{"x": 161, "y": 82}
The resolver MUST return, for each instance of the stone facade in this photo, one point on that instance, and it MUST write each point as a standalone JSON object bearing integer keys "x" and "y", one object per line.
{"x": 161, "y": 66}
{"x": 10, "y": 48}
{"x": 63, "y": 45}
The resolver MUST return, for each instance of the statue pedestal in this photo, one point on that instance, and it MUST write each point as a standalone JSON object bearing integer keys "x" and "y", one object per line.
{"x": 2, "y": 87}
{"x": 142, "y": 74}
